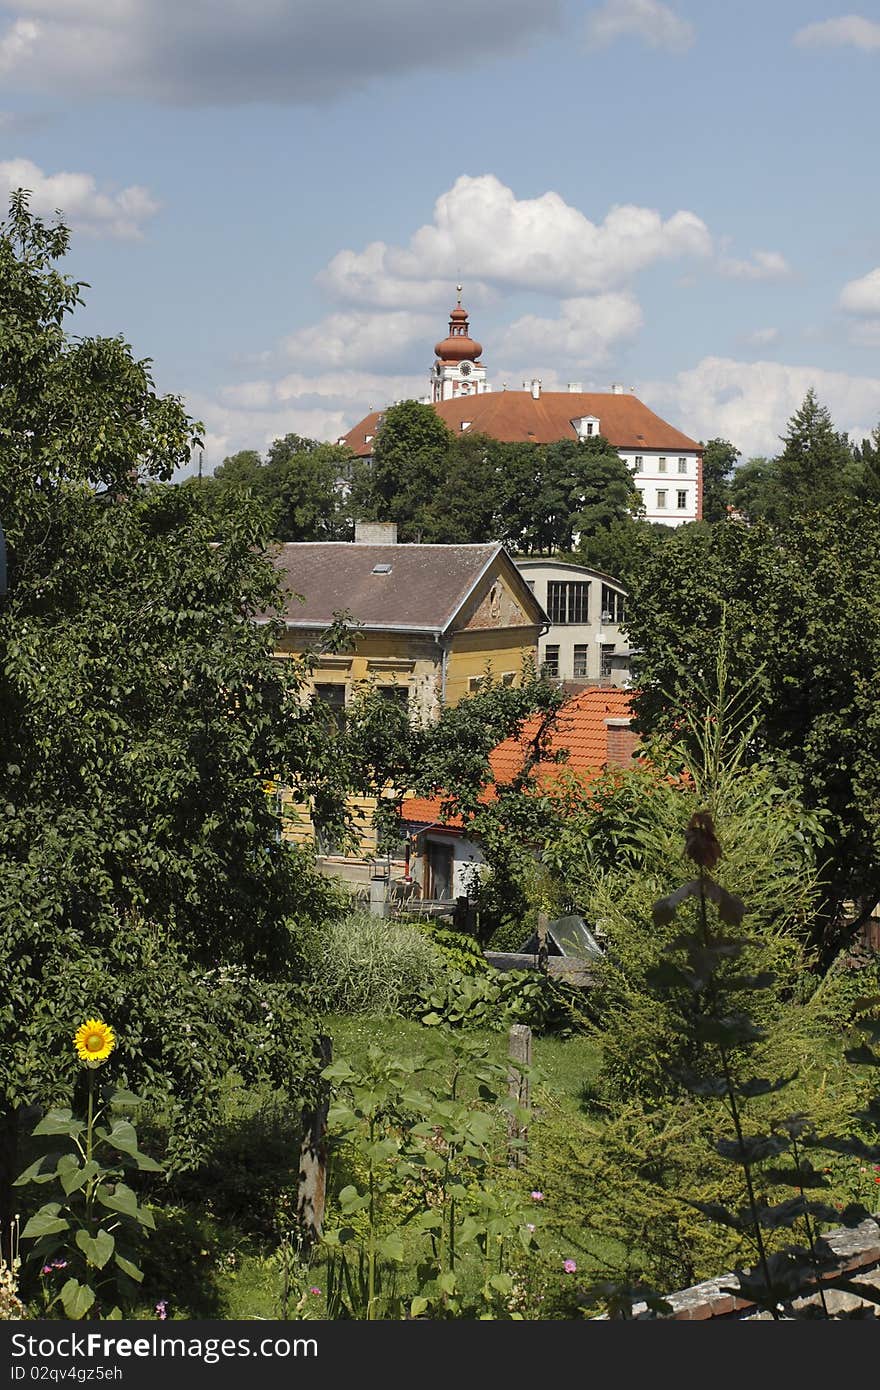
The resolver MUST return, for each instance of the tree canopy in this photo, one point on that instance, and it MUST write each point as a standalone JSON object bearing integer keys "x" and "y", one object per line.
{"x": 798, "y": 608}
{"x": 142, "y": 714}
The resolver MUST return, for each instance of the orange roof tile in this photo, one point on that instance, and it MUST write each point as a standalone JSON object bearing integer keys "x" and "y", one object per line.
{"x": 517, "y": 417}
{"x": 580, "y": 730}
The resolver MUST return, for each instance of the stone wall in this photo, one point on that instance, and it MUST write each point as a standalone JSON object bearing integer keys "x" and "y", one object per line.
{"x": 858, "y": 1252}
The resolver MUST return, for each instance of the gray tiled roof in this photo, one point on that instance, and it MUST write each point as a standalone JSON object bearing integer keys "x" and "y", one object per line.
{"x": 422, "y": 591}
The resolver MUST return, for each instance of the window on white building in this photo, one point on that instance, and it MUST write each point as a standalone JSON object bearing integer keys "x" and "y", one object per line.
{"x": 661, "y": 465}
{"x": 568, "y": 601}
{"x": 612, "y": 604}
{"x": 682, "y": 465}
{"x": 682, "y": 499}
{"x": 551, "y": 660}
{"x": 661, "y": 497}
{"x": 606, "y": 651}
{"x": 640, "y": 463}
{"x": 581, "y": 651}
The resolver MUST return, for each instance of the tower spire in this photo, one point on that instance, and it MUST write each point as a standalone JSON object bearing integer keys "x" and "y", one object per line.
{"x": 458, "y": 370}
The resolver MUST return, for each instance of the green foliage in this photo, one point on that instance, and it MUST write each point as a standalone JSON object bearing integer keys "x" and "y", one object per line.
{"x": 297, "y": 485}
{"x": 813, "y": 672}
{"x": 421, "y": 1157}
{"x": 141, "y": 714}
{"x": 817, "y": 466}
{"x": 719, "y": 460}
{"x": 363, "y": 964}
{"x": 460, "y": 951}
{"x": 709, "y": 967}
{"x": 93, "y": 1224}
{"x": 492, "y": 1001}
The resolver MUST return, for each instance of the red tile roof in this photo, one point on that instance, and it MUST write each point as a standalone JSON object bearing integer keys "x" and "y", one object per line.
{"x": 580, "y": 729}
{"x": 516, "y": 417}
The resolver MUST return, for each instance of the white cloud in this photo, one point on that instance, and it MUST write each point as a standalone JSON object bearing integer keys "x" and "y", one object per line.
{"x": 496, "y": 240}
{"x": 852, "y": 30}
{"x": 656, "y": 24}
{"x": 862, "y": 296}
{"x": 762, "y": 337}
{"x": 342, "y": 340}
{"x": 750, "y": 403}
{"x": 234, "y": 51}
{"x": 251, "y": 414}
{"x": 17, "y": 44}
{"x": 79, "y": 200}
{"x": 582, "y": 335}
{"x": 763, "y": 265}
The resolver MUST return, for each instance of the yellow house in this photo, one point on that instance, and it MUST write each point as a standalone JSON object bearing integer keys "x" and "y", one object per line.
{"x": 430, "y": 621}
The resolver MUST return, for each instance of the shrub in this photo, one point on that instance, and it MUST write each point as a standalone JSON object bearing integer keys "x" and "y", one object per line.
{"x": 365, "y": 964}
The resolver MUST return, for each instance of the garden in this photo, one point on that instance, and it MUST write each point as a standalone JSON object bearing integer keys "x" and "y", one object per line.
{"x": 223, "y": 1094}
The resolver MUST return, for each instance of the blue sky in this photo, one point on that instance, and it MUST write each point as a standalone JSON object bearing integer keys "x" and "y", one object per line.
{"x": 274, "y": 199}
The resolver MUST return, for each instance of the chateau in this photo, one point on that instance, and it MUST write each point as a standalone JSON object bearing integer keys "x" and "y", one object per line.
{"x": 666, "y": 464}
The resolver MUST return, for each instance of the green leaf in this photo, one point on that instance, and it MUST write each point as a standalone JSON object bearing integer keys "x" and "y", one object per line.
{"x": 120, "y": 1199}
{"x": 77, "y": 1299}
{"x": 123, "y": 1136}
{"x": 46, "y": 1222}
{"x": 128, "y": 1268}
{"x": 417, "y": 1307}
{"x": 36, "y": 1172}
{"x": 97, "y": 1249}
{"x": 391, "y": 1248}
{"x": 59, "y": 1122}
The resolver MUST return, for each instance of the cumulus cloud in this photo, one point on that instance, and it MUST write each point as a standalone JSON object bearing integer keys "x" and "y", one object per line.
{"x": 763, "y": 265}
{"x": 762, "y": 337}
{"x": 234, "y": 51}
{"x": 849, "y": 30}
{"x": 657, "y": 25}
{"x": 346, "y": 339}
{"x": 324, "y": 405}
{"x": 79, "y": 199}
{"x": 540, "y": 244}
{"x": 582, "y": 335}
{"x": 862, "y": 296}
{"x": 17, "y": 43}
{"x": 751, "y": 402}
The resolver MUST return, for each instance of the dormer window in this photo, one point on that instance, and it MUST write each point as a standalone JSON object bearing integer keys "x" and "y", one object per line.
{"x": 465, "y": 424}
{"x": 587, "y": 427}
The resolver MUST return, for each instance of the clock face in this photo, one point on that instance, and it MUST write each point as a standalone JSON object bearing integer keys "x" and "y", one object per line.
{"x": 465, "y": 369}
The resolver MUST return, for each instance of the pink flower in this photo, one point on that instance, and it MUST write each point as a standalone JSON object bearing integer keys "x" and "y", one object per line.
{"x": 530, "y": 1225}
{"x": 537, "y": 1196}
{"x": 162, "y": 1309}
{"x": 569, "y": 1266}
{"x": 47, "y": 1269}
{"x": 314, "y": 1290}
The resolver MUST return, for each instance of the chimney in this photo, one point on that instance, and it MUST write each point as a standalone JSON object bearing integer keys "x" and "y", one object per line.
{"x": 621, "y": 742}
{"x": 375, "y": 533}
{"x": 575, "y": 388}
{"x": 536, "y": 388}
{"x": 618, "y": 389}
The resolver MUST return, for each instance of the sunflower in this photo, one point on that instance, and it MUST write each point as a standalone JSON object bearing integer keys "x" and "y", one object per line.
{"x": 94, "y": 1041}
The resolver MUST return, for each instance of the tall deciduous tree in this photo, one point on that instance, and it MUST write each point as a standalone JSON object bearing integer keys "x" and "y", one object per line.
{"x": 142, "y": 876}
{"x": 408, "y": 468}
{"x": 719, "y": 459}
{"x": 800, "y": 609}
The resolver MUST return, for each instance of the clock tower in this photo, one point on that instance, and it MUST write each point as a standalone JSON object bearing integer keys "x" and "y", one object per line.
{"x": 458, "y": 370}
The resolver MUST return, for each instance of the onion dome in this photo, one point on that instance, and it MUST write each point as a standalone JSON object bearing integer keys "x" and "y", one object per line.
{"x": 459, "y": 346}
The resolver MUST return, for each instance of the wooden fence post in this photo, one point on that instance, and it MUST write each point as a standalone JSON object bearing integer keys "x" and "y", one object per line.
{"x": 519, "y": 1050}
{"x": 543, "y": 924}
{"x": 312, "y": 1191}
